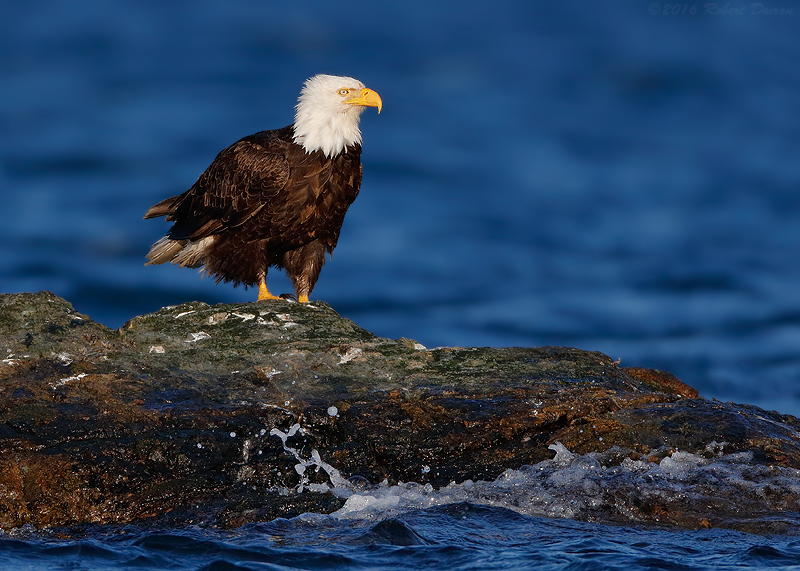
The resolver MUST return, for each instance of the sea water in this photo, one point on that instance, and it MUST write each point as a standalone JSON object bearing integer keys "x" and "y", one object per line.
{"x": 616, "y": 177}
{"x": 525, "y": 519}
{"x": 454, "y": 537}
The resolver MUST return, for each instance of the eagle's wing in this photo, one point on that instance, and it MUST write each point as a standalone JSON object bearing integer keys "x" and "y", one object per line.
{"x": 242, "y": 180}
{"x": 317, "y": 195}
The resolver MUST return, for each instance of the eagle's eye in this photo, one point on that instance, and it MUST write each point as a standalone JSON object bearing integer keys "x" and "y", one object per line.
{"x": 344, "y": 92}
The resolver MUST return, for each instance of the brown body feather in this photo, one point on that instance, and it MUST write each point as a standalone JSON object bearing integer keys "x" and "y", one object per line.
{"x": 263, "y": 202}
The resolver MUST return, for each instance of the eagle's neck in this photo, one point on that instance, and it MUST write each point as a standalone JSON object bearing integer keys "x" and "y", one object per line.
{"x": 327, "y": 129}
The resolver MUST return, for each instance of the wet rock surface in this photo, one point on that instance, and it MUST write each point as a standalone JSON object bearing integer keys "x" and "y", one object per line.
{"x": 223, "y": 415}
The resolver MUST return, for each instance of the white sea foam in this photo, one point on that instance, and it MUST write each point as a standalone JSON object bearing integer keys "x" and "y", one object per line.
{"x": 606, "y": 486}
{"x": 579, "y": 485}
{"x": 315, "y": 461}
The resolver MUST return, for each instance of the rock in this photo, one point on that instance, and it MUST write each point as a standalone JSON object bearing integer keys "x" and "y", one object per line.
{"x": 235, "y": 413}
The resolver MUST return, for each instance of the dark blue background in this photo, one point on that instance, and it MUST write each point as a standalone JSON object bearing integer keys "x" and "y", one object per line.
{"x": 608, "y": 177}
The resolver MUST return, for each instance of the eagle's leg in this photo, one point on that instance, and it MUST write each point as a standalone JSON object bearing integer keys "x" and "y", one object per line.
{"x": 303, "y": 266}
{"x": 301, "y": 288}
{"x": 263, "y": 292}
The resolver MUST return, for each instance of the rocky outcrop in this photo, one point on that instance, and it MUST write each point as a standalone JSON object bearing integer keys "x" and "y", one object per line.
{"x": 234, "y": 413}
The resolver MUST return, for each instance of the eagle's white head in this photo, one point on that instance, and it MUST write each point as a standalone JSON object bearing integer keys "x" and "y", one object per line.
{"x": 328, "y": 111}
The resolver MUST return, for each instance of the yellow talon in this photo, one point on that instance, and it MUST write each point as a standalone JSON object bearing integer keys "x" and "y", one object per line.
{"x": 263, "y": 292}
{"x": 303, "y": 299}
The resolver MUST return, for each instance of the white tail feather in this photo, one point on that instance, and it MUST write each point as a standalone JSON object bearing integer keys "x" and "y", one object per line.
{"x": 183, "y": 253}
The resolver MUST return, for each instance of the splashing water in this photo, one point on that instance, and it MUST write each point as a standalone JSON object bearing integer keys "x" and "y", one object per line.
{"x": 690, "y": 490}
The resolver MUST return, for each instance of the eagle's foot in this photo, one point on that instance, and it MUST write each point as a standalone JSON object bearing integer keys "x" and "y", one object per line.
{"x": 263, "y": 293}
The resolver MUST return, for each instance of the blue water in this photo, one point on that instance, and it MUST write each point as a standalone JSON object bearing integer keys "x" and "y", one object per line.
{"x": 472, "y": 525}
{"x": 454, "y": 538}
{"x": 622, "y": 178}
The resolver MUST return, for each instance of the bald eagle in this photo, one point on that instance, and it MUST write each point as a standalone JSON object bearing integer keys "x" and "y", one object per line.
{"x": 274, "y": 199}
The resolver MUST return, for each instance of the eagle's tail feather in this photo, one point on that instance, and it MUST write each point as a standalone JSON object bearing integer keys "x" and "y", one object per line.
{"x": 163, "y": 208}
{"x": 165, "y": 250}
{"x": 183, "y": 253}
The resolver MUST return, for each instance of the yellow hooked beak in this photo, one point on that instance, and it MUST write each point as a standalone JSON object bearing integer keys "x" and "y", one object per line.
{"x": 368, "y": 98}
